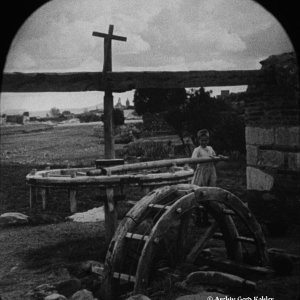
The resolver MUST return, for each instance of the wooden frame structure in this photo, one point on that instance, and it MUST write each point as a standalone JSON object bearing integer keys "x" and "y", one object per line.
{"x": 110, "y": 82}
{"x": 108, "y": 179}
{"x": 133, "y": 250}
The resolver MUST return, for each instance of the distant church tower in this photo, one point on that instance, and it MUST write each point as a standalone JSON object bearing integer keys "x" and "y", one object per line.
{"x": 119, "y": 105}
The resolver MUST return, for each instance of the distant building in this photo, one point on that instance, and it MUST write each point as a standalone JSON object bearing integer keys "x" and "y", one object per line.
{"x": 224, "y": 93}
{"x": 96, "y": 111}
{"x": 33, "y": 119}
{"x": 67, "y": 114}
{"x": 127, "y": 103}
{"x": 26, "y": 117}
{"x": 3, "y": 119}
{"x": 119, "y": 105}
{"x": 16, "y": 119}
{"x": 131, "y": 116}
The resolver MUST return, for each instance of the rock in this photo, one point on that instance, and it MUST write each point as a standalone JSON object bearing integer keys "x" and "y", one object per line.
{"x": 91, "y": 283}
{"x": 82, "y": 295}
{"x": 93, "y": 215}
{"x": 281, "y": 261}
{"x": 85, "y": 268}
{"x": 92, "y": 266}
{"x": 213, "y": 278}
{"x": 55, "y": 296}
{"x": 44, "y": 290}
{"x": 68, "y": 287}
{"x": 138, "y": 297}
{"x": 203, "y": 296}
{"x": 13, "y": 218}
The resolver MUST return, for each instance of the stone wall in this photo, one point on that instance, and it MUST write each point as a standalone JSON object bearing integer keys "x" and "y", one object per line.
{"x": 273, "y": 132}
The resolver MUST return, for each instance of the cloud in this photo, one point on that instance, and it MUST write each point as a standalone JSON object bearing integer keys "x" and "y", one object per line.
{"x": 167, "y": 34}
{"x": 23, "y": 60}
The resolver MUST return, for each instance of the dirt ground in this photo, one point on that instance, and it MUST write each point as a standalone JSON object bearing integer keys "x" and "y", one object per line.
{"x": 35, "y": 254}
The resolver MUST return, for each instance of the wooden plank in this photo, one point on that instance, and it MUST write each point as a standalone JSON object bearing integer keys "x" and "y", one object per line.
{"x": 158, "y": 206}
{"x": 44, "y": 200}
{"x": 219, "y": 279}
{"x": 125, "y": 81}
{"x": 109, "y": 145}
{"x": 73, "y": 201}
{"x": 235, "y": 268}
{"x": 114, "y": 37}
{"x": 229, "y": 212}
{"x": 107, "y": 64}
{"x": 110, "y": 215}
{"x": 160, "y": 164}
{"x": 52, "y": 82}
{"x": 219, "y": 235}
{"x": 31, "y": 193}
{"x": 136, "y": 236}
{"x": 183, "y": 237}
{"x": 124, "y": 277}
{"x": 200, "y": 245}
{"x": 171, "y": 181}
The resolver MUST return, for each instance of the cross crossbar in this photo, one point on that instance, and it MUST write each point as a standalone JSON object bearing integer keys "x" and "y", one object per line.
{"x": 113, "y": 37}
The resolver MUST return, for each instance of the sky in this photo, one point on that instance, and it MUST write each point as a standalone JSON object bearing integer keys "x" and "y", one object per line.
{"x": 169, "y": 35}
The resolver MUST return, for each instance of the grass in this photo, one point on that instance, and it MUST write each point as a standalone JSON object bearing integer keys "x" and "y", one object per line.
{"x": 74, "y": 144}
{"x": 33, "y": 255}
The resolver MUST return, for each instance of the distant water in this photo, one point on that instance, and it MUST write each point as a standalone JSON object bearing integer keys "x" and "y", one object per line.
{"x": 39, "y": 104}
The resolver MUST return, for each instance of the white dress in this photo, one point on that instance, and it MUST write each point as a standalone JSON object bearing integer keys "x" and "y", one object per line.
{"x": 205, "y": 174}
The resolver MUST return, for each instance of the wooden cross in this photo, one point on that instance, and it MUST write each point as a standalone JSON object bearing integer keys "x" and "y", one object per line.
{"x": 109, "y": 149}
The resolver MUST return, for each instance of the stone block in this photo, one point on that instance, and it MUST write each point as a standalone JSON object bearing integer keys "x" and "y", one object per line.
{"x": 252, "y": 153}
{"x": 294, "y": 161}
{"x": 270, "y": 158}
{"x": 13, "y": 218}
{"x": 55, "y": 296}
{"x": 259, "y": 180}
{"x": 287, "y": 136}
{"x": 82, "y": 295}
{"x": 259, "y": 136}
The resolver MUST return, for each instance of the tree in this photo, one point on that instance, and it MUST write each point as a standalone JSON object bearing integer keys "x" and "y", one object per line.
{"x": 157, "y": 100}
{"x": 118, "y": 117}
{"x": 189, "y": 112}
{"x": 87, "y": 117}
{"x": 201, "y": 111}
{"x": 54, "y": 112}
{"x": 66, "y": 113}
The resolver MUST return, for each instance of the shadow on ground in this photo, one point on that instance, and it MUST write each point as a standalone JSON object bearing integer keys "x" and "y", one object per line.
{"x": 66, "y": 252}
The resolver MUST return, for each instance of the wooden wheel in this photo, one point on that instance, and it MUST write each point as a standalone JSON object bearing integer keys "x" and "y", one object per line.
{"x": 167, "y": 229}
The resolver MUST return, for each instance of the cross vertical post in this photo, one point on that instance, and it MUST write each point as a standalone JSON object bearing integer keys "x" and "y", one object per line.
{"x": 109, "y": 146}
{"x": 109, "y": 149}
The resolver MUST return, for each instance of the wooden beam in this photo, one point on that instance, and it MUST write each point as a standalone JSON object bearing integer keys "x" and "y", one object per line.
{"x": 114, "y": 37}
{"x": 109, "y": 145}
{"x": 111, "y": 215}
{"x": 125, "y": 81}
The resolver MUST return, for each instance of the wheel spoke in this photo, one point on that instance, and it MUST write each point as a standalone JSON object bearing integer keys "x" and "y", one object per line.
{"x": 202, "y": 242}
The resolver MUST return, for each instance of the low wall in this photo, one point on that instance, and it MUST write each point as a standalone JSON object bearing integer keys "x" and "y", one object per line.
{"x": 273, "y": 135}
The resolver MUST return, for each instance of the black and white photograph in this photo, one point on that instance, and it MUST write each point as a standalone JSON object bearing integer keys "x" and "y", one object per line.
{"x": 149, "y": 150}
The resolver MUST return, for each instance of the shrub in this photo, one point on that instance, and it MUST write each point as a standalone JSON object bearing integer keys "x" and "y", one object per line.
{"x": 151, "y": 150}
{"x": 89, "y": 117}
